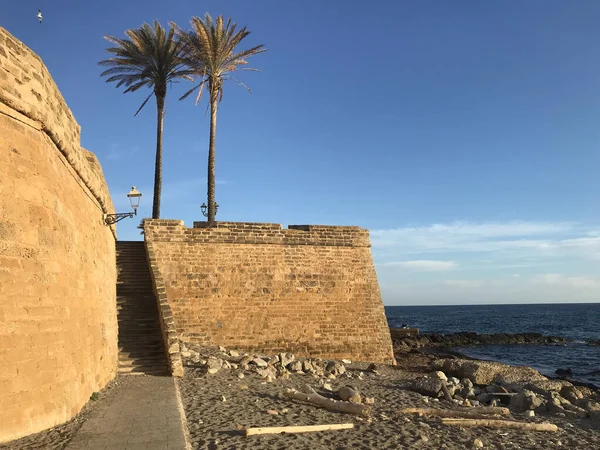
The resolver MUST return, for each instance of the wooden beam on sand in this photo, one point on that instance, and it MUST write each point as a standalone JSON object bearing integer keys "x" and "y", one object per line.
{"x": 501, "y": 424}
{"x": 462, "y": 412}
{"x": 298, "y": 429}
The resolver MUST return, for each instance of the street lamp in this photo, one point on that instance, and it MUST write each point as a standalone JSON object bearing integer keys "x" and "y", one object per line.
{"x": 204, "y": 209}
{"x": 134, "y": 198}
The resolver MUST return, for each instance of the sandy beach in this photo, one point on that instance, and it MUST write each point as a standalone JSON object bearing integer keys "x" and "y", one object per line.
{"x": 240, "y": 394}
{"x": 218, "y": 406}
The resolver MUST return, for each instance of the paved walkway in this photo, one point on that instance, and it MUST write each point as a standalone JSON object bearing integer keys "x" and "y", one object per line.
{"x": 143, "y": 414}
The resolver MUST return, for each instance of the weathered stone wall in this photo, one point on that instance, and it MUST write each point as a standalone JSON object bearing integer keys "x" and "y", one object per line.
{"x": 311, "y": 290}
{"x": 58, "y": 327}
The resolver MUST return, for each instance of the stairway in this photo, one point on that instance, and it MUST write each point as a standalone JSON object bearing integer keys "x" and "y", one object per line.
{"x": 141, "y": 348}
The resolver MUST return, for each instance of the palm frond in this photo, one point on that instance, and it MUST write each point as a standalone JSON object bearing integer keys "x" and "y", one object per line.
{"x": 143, "y": 104}
{"x": 209, "y": 51}
{"x": 149, "y": 56}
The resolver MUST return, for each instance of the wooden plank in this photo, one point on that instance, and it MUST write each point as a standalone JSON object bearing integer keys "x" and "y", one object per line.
{"x": 298, "y": 429}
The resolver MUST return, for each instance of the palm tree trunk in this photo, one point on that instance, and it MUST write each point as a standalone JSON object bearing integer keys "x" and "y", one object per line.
{"x": 211, "y": 161}
{"x": 160, "y": 105}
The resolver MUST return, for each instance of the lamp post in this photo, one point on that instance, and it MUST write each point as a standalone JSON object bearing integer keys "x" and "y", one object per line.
{"x": 204, "y": 209}
{"x": 134, "y": 198}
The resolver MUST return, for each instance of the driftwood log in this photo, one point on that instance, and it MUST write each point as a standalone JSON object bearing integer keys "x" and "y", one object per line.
{"x": 309, "y": 395}
{"x": 501, "y": 424}
{"x": 298, "y": 429}
{"x": 462, "y": 412}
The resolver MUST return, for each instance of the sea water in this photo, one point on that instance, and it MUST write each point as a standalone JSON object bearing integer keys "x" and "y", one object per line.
{"x": 579, "y": 322}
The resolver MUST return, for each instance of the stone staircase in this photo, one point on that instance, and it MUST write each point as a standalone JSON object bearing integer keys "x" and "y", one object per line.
{"x": 141, "y": 348}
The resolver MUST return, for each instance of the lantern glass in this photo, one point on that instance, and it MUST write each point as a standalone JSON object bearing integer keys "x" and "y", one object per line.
{"x": 134, "y": 198}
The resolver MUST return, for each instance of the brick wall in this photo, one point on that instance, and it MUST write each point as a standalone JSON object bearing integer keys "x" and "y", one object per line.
{"x": 58, "y": 327}
{"x": 308, "y": 289}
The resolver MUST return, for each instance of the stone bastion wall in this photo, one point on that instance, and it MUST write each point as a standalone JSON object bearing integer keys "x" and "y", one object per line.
{"x": 58, "y": 326}
{"x": 311, "y": 290}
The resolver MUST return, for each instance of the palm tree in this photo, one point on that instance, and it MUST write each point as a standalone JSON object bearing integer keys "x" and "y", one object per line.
{"x": 149, "y": 57}
{"x": 210, "y": 53}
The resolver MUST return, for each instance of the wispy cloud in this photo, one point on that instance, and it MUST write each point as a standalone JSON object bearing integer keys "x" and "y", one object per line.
{"x": 533, "y": 238}
{"x": 116, "y": 152}
{"x": 464, "y": 284}
{"x": 422, "y": 265}
{"x": 557, "y": 279}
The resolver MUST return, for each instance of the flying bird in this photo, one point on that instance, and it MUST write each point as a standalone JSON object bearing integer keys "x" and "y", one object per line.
{"x": 39, "y": 15}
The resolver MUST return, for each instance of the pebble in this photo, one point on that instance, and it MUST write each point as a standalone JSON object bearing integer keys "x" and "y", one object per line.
{"x": 327, "y": 386}
{"x": 223, "y": 399}
{"x": 369, "y": 400}
{"x": 241, "y": 375}
{"x": 284, "y": 411}
{"x": 424, "y": 438}
{"x": 477, "y": 443}
{"x": 346, "y": 361}
{"x": 273, "y": 412}
{"x": 529, "y": 413}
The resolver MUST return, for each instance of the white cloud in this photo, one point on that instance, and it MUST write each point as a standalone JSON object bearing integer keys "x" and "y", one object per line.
{"x": 464, "y": 284}
{"x": 512, "y": 238}
{"x": 557, "y": 279}
{"x": 423, "y": 265}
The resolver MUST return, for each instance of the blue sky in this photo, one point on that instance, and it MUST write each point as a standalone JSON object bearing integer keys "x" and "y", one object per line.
{"x": 465, "y": 135}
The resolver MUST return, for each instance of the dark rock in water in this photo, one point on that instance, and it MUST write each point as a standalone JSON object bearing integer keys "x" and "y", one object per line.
{"x": 564, "y": 372}
{"x": 466, "y": 339}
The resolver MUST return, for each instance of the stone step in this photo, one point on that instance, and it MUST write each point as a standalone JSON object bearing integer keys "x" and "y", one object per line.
{"x": 126, "y": 314}
{"x": 134, "y": 300}
{"x": 148, "y": 341}
{"x": 133, "y": 312}
{"x": 138, "y": 317}
{"x": 143, "y": 361}
{"x": 156, "y": 371}
{"x": 131, "y": 327}
{"x": 146, "y": 348}
{"x": 135, "y": 330}
{"x": 140, "y": 305}
{"x": 134, "y": 292}
{"x": 144, "y": 309}
{"x": 135, "y": 354}
{"x": 140, "y": 339}
{"x": 141, "y": 335}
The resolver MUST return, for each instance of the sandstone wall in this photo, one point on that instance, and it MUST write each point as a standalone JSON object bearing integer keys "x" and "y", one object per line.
{"x": 58, "y": 327}
{"x": 311, "y": 290}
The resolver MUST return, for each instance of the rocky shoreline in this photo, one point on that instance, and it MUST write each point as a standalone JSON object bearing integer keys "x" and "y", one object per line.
{"x": 468, "y": 339}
